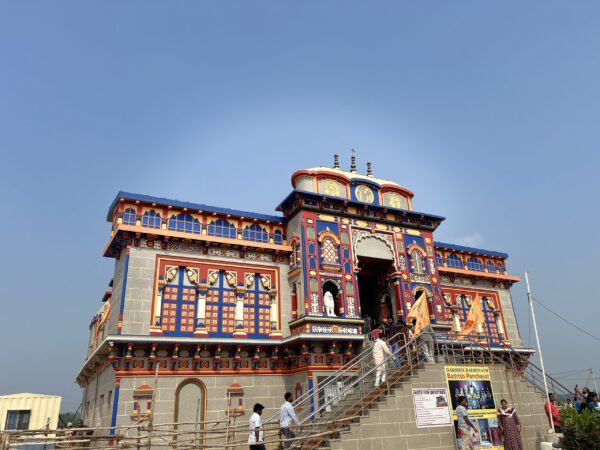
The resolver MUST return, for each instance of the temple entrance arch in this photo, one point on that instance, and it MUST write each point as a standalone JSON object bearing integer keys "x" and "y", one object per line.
{"x": 375, "y": 261}
{"x": 374, "y": 290}
{"x": 373, "y": 246}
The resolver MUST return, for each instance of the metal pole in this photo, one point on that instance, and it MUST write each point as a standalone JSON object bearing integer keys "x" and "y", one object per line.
{"x": 539, "y": 348}
{"x": 594, "y": 378}
{"x": 151, "y": 419}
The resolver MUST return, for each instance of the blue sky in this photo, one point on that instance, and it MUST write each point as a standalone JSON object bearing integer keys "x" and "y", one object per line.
{"x": 488, "y": 111}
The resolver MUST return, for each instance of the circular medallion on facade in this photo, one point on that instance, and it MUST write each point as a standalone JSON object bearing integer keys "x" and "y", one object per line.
{"x": 334, "y": 329}
{"x": 434, "y": 279}
{"x": 404, "y": 276}
{"x": 364, "y": 194}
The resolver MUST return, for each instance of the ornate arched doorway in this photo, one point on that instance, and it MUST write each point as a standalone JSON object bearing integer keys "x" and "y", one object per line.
{"x": 375, "y": 262}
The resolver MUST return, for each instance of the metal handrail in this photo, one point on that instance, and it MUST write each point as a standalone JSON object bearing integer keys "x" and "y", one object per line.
{"x": 515, "y": 360}
{"x": 347, "y": 369}
{"x": 359, "y": 383}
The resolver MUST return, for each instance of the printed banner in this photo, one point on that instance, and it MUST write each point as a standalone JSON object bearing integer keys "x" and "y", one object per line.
{"x": 475, "y": 383}
{"x": 431, "y": 407}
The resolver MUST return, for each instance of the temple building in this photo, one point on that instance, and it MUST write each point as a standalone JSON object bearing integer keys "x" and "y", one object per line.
{"x": 212, "y": 309}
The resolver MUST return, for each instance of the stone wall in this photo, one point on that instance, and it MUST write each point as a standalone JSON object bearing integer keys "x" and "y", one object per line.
{"x": 265, "y": 389}
{"x": 98, "y": 398}
{"x": 391, "y": 424}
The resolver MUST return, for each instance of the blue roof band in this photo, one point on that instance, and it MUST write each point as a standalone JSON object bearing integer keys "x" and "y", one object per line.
{"x": 189, "y": 205}
{"x": 461, "y": 248}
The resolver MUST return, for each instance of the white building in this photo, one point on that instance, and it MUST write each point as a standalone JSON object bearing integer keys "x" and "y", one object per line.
{"x": 28, "y": 411}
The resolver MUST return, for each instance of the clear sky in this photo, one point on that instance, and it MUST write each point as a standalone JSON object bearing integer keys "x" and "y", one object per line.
{"x": 488, "y": 111}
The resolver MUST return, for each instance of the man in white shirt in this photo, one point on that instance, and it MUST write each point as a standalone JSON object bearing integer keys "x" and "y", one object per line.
{"x": 380, "y": 350}
{"x": 287, "y": 416}
{"x": 464, "y": 423}
{"x": 256, "y": 439}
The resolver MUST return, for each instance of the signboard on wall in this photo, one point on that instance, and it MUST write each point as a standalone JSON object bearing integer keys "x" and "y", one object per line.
{"x": 431, "y": 407}
{"x": 475, "y": 383}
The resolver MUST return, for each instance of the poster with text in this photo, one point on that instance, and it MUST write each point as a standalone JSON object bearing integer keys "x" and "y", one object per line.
{"x": 475, "y": 384}
{"x": 431, "y": 407}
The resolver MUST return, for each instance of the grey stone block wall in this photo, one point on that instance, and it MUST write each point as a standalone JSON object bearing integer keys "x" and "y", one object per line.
{"x": 392, "y": 423}
{"x": 113, "y": 318}
{"x": 510, "y": 320}
{"x": 266, "y": 389}
{"x": 98, "y": 398}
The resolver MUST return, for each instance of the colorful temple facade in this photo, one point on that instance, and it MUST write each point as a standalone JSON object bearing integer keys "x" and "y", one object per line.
{"x": 229, "y": 307}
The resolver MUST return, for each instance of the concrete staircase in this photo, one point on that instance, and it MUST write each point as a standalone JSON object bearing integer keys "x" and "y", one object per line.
{"x": 389, "y": 421}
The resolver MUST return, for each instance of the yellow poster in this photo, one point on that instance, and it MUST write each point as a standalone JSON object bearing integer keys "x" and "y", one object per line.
{"x": 475, "y": 384}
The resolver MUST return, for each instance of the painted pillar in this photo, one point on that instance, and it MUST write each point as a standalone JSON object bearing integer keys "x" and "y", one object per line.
{"x": 275, "y": 328}
{"x": 500, "y": 326}
{"x": 158, "y": 304}
{"x": 456, "y": 314}
{"x": 396, "y": 279}
{"x": 200, "y": 330}
{"x": 294, "y": 295}
{"x": 240, "y": 292}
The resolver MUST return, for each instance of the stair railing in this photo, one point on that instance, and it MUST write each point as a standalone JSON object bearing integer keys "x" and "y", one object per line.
{"x": 478, "y": 349}
{"x": 351, "y": 398}
{"x": 305, "y": 403}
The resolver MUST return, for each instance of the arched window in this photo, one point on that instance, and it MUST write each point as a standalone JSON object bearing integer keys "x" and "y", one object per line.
{"x": 330, "y": 286}
{"x": 500, "y": 268}
{"x": 329, "y": 251}
{"x": 277, "y": 237}
{"x": 222, "y": 228}
{"x": 454, "y": 261}
{"x": 151, "y": 219}
{"x": 184, "y": 223}
{"x": 490, "y": 267}
{"x": 312, "y": 262}
{"x": 346, "y": 252}
{"x": 255, "y": 233}
{"x": 475, "y": 264}
{"x": 439, "y": 260}
{"x": 129, "y": 216}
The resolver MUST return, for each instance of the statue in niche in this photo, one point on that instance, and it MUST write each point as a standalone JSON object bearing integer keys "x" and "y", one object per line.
{"x": 329, "y": 304}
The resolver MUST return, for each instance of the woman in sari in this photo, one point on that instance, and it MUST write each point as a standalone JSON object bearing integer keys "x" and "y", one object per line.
{"x": 510, "y": 426}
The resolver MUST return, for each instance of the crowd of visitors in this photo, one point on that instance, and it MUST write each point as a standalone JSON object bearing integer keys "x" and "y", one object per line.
{"x": 583, "y": 400}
